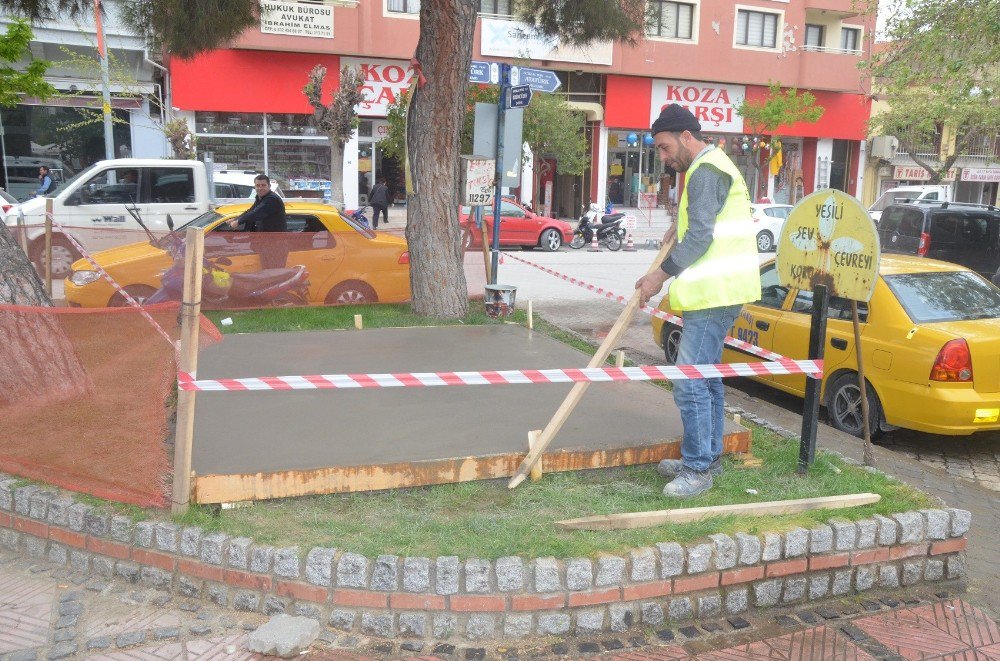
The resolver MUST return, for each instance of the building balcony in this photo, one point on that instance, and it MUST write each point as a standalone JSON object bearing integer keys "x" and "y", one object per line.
{"x": 834, "y": 8}
{"x": 829, "y": 69}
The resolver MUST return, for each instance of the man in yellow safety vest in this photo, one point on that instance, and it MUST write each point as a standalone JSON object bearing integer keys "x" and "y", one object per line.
{"x": 715, "y": 271}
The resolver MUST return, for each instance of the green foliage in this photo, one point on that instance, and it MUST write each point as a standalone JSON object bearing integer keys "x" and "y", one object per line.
{"x": 942, "y": 68}
{"x": 183, "y": 143}
{"x": 188, "y": 27}
{"x": 779, "y": 108}
{"x": 35, "y": 10}
{"x": 579, "y": 22}
{"x": 29, "y": 81}
{"x": 551, "y": 127}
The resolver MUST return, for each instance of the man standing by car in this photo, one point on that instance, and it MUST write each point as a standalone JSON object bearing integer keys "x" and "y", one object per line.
{"x": 715, "y": 271}
{"x": 266, "y": 214}
{"x": 45, "y": 183}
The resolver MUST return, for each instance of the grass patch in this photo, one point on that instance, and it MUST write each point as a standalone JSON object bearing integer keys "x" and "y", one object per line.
{"x": 342, "y": 317}
{"x": 487, "y": 520}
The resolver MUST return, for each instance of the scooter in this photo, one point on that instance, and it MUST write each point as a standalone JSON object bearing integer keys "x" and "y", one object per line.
{"x": 220, "y": 288}
{"x": 609, "y": 228}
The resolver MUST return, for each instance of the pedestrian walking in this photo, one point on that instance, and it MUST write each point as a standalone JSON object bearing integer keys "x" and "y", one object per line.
{"x": 378, "y": 198}
{"x": 45, "y": 183}
{"x": 715, "y": 271}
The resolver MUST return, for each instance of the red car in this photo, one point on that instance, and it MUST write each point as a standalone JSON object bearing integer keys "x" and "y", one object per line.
{"x": 518, "y": 227}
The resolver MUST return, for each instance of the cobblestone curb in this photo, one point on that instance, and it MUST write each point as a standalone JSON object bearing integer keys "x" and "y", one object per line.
{"x": 477, "y": 599}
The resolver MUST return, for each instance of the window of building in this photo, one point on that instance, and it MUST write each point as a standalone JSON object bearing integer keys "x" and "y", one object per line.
{"x": 815, "y": 36}
{"x": 403, "y": 6}
{"x": 850, "y": 38}
{"x": 671, "y": 20}
{"x": 495, "y": 7}
{"x": 756, "y": 28}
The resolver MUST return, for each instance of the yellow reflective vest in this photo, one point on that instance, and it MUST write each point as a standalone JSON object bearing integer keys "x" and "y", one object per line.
{"x": 728, "y": 273}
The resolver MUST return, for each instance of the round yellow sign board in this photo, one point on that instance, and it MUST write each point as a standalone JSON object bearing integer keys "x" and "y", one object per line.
{"x": 829, "y": 239}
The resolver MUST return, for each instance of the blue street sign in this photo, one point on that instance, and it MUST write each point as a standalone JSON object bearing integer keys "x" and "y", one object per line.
{"x": 540, "y": 80}
{"x": 484, "y": 72}
{"x": 520, "y": 96}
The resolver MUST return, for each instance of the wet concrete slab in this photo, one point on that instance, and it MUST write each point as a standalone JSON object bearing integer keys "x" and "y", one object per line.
{"x": 271, "y": 432}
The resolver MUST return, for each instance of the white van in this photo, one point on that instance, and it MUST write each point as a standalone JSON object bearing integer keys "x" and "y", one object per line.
{"x": 231, "y": 185}
{"x": 903, "y": 194}
{"x": 92, "y": 206}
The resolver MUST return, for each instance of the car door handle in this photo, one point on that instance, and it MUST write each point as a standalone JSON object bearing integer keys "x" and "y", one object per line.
{"x": 190, "y": 208}
{"x": 838, "y": 343}
{"x": 762, "y": 325}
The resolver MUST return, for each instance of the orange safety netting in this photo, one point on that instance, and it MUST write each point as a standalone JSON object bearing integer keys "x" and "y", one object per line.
{"x": 87, "y": 398}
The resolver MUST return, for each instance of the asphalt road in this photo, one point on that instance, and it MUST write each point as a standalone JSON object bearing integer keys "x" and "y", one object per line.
{"x": 974, "y": 458}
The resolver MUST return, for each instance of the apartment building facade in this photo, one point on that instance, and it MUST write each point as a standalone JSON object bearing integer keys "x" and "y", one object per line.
{"x": 246, "y": 104}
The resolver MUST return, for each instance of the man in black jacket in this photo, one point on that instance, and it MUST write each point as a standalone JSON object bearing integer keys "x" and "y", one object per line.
{"x": 266, "y": 214}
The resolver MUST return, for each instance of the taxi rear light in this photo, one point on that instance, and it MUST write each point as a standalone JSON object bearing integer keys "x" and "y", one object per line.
{"x": 925, "y": 244}
{"x": 404, "y": 258}
{"x": 953, "y": 362}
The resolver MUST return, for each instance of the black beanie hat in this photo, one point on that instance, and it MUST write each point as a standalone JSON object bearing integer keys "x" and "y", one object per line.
{"x": 675, "y": 119}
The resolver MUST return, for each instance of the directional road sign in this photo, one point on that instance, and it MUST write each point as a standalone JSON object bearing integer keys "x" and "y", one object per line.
{"x": 484, "y": 72}
{"x": 540, "y": 80}
{"x": 520, "y": 96}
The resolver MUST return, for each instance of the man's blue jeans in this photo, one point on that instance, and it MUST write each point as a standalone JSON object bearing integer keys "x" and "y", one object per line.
{"x": 702, "y": 401}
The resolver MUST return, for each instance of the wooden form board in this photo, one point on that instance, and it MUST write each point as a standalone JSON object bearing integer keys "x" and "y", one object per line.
{"x": 345, "y": 479}
{"x": 649, "y": 519}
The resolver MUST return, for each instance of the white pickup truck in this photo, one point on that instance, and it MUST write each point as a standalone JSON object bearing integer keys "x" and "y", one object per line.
{"x": 925, "y": 193}
{"x": 93, "y": 206}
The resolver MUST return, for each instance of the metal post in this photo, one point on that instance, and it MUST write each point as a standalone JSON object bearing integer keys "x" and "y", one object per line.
{"x": 810, "y": 412}
{"x": 869, "y": 452}
{"x": 109, "y": 139}
{"x": 501, "y": 108}
{"x": 3, "y": 154}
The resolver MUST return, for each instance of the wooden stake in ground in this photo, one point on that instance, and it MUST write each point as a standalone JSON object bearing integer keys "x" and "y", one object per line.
{"x": 48, "y": 246}
{"x": 869, "y": 453}
{"x": 194, "y": 251}
{"x": 649, "y": 519}
{"x": 574, "y": 396}
{"x": 358, "y": 322}
{"x": 531, "y": 316}
{"x": 536, "y": 470}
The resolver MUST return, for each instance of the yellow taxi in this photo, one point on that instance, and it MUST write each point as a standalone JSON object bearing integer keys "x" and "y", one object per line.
{"x": 346, "y": 261}
{"x": 930, "y": 341}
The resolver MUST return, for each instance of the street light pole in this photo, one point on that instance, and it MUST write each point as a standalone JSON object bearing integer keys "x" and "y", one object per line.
{"x": 109, "y": 139}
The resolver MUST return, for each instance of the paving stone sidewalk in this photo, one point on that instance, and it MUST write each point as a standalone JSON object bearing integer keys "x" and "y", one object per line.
{"x": 48, "y": 613}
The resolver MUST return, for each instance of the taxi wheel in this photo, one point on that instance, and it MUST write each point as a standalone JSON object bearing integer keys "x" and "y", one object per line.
{"x": 139, "y": 292}
{"x": 671, "y": 336}
{"x": 351, "y": 293}
{"x": 843, "y": 406}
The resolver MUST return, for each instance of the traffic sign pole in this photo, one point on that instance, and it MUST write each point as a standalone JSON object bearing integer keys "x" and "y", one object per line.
{"x": 501, "y": 107}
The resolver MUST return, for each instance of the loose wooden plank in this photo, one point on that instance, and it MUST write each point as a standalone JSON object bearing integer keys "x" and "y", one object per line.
{"x": 654, "y": 518}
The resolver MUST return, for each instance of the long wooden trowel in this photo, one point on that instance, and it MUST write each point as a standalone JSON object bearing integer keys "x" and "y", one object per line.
{"x": 576, "y": 394}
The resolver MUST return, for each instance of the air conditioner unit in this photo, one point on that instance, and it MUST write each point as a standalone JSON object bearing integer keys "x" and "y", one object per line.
{"x": 884, "y": 146}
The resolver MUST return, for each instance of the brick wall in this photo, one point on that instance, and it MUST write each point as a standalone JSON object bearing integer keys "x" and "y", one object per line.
{"x": 482, "y": 599}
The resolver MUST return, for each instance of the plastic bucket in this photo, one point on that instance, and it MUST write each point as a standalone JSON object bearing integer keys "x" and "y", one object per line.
{"x": 499, "y": 300}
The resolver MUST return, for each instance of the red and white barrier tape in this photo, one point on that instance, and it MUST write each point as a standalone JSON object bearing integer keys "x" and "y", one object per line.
{"x": 104, "y": 274}
{"x": 746, "y": 347}
{"x": 506, "y": 377}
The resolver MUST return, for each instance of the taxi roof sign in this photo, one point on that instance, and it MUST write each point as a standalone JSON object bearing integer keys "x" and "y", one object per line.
{"x": 829, "y": 239}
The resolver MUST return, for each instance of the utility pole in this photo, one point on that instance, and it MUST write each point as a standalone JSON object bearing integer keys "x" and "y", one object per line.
{"x": 102, "y": 52}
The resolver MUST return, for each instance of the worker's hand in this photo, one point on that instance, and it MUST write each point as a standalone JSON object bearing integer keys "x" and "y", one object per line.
{"x": 650, "y": 284}
{"x": 234, "y": 223}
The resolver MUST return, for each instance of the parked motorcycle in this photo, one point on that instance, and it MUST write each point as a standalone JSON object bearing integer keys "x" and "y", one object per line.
{"x": 220, "y": 288}
{"x": 609, "y": 228}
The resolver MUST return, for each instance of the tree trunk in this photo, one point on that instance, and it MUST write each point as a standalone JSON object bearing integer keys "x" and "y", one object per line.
{"x": 337, "y": 173}
{"x": 434, "y": 129}
{"x": 40, "y": 365}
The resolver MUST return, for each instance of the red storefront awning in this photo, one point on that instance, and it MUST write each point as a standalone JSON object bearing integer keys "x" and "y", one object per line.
{"x": 249, "y": 81}
{"x": 626, "y": 102}
{"x": 845, "y": 116}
